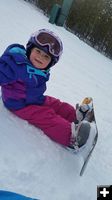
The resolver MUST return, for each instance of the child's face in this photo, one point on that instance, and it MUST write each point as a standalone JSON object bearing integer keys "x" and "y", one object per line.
{"x": 39, "y": 58}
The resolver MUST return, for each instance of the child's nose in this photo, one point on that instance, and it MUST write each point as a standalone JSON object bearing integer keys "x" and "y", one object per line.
{"x": 40, "y": 56}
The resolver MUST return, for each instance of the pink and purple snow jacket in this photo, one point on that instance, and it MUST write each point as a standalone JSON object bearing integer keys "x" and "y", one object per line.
{"x": 21, "y": 83}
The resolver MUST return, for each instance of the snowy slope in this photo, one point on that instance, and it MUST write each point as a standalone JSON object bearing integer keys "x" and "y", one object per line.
{"x": 30, "y": 163}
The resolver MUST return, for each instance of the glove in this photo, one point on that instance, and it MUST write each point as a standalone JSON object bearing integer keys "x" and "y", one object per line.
{"x": 83, "y": 109}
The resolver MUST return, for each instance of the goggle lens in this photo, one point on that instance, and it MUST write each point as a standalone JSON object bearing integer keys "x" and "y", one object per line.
{"x": 48, "y": 39}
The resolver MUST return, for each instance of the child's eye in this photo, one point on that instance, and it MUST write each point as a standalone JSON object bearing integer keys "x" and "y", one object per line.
{"x": 37, "y": 50}
{"x": 47, "y": 56}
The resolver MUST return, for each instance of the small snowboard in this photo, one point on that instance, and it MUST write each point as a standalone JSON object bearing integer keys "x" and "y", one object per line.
{"x": 91, "y": 143}
{"x": 86, "y": 129}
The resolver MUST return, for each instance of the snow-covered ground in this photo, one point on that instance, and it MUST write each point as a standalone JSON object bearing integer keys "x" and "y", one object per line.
{"x": 32, "y": 164}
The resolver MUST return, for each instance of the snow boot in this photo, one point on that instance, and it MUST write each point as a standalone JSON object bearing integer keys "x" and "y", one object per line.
{"x": 80, "y": 133}
{"x": 84, "y": 111}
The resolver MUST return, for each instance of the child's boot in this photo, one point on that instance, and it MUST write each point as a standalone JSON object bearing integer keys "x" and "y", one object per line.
{"x": 80, "y": 135}
{"x": 85, "y": 110}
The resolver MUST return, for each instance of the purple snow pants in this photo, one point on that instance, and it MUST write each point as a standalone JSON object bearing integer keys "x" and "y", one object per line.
{"x": 53, "y": 118}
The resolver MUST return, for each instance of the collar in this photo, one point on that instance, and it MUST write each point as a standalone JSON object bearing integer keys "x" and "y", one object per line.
{"x": 31, "y": 71}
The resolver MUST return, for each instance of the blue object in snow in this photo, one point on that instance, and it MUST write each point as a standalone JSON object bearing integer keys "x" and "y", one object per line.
{"x": 6, "y": 195}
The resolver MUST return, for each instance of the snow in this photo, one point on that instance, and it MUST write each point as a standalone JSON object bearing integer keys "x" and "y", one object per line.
{"x": 32, "y": 164}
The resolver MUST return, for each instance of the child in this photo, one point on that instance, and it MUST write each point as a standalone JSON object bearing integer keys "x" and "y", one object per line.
{"x": 23, "y": 77}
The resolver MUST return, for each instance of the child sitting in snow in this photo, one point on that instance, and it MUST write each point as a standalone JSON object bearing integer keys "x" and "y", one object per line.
{"x": 23, "y": 77}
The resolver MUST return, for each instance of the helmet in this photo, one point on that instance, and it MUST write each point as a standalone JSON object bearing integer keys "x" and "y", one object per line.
{"x": 47, "y": 41}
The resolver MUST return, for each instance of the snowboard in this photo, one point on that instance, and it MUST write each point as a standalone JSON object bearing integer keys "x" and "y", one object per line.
{"x": 85, "y": 152}
{"x": 91, "y": 143}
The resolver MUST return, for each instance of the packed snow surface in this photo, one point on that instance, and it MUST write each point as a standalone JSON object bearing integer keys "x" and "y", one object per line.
{"x": 32, "y": 164}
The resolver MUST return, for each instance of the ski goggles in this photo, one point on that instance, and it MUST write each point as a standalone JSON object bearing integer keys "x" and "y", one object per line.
{"x": 51, "y": 40}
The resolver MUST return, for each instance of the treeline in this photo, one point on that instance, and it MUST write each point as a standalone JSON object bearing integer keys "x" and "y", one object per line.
{"x": 45, "y": 5}
{"x": 90, "y": 20}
